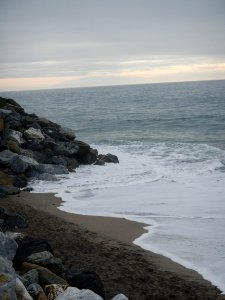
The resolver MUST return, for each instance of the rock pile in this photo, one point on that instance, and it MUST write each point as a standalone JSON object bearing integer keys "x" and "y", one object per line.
{"x": 29, "y": 269}
{"x": 34, "y": 147}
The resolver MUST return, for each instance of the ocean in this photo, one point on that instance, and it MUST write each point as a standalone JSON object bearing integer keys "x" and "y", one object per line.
{"x": 170, "y": 140}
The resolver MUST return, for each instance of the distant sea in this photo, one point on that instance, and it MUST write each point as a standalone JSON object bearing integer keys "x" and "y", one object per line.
{"x": 170, "y": 140}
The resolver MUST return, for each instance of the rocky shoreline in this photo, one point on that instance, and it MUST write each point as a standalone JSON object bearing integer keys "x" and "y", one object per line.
{"x": 43, "y": 256}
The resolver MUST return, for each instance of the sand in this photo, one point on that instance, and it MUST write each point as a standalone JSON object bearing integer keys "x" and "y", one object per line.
{"x": 104, "y": 245}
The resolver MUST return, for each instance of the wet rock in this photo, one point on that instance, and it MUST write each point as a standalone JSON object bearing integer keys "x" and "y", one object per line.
{"x": 99, "y": 162}
{"x": 43, "y": 122}
{"x": 68, "y": 133}
{"x": 8, "y": 247}
{"x": 108, "y": 158}
{"x": 5, "y": 113}
{"x": 46, "y": 259}
{"x": 86, "y": 280}
{"x": 72, "y": 293}
{"x": 66, "y": 148}
{"x": 34, "y": 134}
{"x": 51, "y": 169}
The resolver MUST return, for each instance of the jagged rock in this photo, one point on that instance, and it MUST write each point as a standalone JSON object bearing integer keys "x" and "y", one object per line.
{"x": 34, "y": 134}
{"x": 72, "y": 293}
{"x": 8, "y": 247}
{"x": 27, "y": 246}
{"x": 108, "y": 158}
{"x": 7, "y": 280}
{"x": 86, "y": 280}
{"x": 46, "y": 277}
{"x": 46, "y": 259}
{"x": 29, "y": 278}
{"x": 53, "y": 290}
{"x": 34, "y": 290}
{"x": 21, "y": 291}
{"x": 12, "y": 222}
{"x": 4, "y": 113}
{"x": 120, "y": 297}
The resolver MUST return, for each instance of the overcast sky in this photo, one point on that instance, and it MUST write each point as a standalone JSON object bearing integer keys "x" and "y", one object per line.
{"x": 72, "y": 43}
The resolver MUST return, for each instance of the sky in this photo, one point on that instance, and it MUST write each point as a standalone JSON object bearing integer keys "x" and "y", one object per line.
{"x": 77, "y": 43}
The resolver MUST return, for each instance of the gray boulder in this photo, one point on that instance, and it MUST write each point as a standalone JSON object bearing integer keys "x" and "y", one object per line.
{"x": 20, "y": 163}
{"x": 72, "y": 293}
{"x": 8, "y": 247}
{"x": 68, "y": 133}
{"x": 7, "y": 280}
{"x": 108, "y": 158}
{"x": 6, "y": 156}
{"x": 46, "y": 259}
{"x": 66, "y": 148}
{"x": 30, "y": 277}
{"x": 34, "y": 134}
{"x": 16, "y": 136}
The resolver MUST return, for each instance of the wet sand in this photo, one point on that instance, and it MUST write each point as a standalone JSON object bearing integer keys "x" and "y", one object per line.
{"x": 105, "y": 245}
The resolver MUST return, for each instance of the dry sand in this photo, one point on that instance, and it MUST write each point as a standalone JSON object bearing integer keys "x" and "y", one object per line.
{"x": 104, "y": 245}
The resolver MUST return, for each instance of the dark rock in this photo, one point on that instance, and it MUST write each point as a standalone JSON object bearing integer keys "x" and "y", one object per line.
{"x": 89, "y": 157}
{"x": 13, "y": 146}
{"x": 99, "y": 162}
{"x": 1, "y": 125}
{"x": 4, "y": 113}
{"x": 59, "y": 160}
{"x": 43, "y": 122}
{"x": 28, "y": 246}
{"x": 20, "y": 163}
{"x": 51, "y": 169}
{"x": 15, "y": 135}
{"x": 20, "y": 181}
{"x": 6, "y": 156}
{"x": 35, "y": 125}
{"x": 68, "y": 133}
{"x": 72, "y": 163}
{"x": 28, "y": 189}
{"x": 45, "y": 177}
{"x": 108, "y": 158}
{"x": 13, "y": 105}
{"x": 5, "y": 179}
{"x": 9, "y": 190}
{"x": 46, "y": 259}
{"x": 33, "y": 145}
{"x": 34, "y": 290}
{"x": 31, "y": 277}
{"x": 55, "y": 134}
{"x": 86, "y": 280}
{"x": 69, "y": 149}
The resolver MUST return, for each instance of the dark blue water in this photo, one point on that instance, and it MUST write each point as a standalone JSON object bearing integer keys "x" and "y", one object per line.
{"x": 190, "y": 112}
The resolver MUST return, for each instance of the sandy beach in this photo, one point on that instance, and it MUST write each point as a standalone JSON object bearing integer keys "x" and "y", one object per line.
{"x": 105, "y": 245}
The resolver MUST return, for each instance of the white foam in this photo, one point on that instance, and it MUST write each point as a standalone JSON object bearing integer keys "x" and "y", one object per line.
{"x": 173, "y": 187}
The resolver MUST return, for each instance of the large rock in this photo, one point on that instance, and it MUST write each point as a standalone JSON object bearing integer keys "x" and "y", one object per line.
{"x": 20, "y": 163}
{"x": 7, "y": 280}
{"x": 120, "y": 297}
{"x": 31, "y": 277}
{"x": 51, "y": 169}
{"x": 16, "y": 136}
{"x": 6, "y": 156}
{"x": 68, "y": 133}
{"x": 34, "y": 134}
{"x": 86, "y": 280}
{"x": 46, "y": 277}
{"x": 5, "y": 113}
{"x": 46, "y": 259}
{"x": 72, "y": 293}
{"x": 34, "y": 290}
{"x": 69, "y": 149}
{"x": 13, "y": 121}
{"x": 8, "y": 247}
{"x": 108, "y": 158}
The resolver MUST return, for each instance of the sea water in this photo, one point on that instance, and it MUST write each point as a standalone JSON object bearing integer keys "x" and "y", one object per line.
{"x": 170, "y": 140}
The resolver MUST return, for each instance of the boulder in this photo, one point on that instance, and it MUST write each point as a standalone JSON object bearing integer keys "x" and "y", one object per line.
{"x": 19, "y": 181}
{"x": 108, "y": 158}
{"x": 51, "y": 169}
{"x": 8, "y": 247}
{"x": 29, "y": 278}
{"x": 43, "y": 122}
{"x": 46, "y": 277}
{"x": 13, "y": 146}
{"x": 5, "y": 113}
{"x": 13, "y": 120}
{"x": 69, "y": 149}
{"x": 21, "y": 292}
{"x": 34, "y": 134}
{"x": 7, "y": 280}
{"x": 33, "y": 145}
{"x": 20, "y": 163}
{"x": 99, "y": 162}
{"x": 27, "y": 246}
{"x": 6, "y": 156}
{"x": 34, "y": 290}
{"x": 68, "y": 133}
{"x": 46, "y": 259}
{"x": 16, "y": 136}
{"x": 120, "y": 297}
{"x": 86, "y": 280}
{"x": 53, "y": 290}
{"x": 72, "y": 293}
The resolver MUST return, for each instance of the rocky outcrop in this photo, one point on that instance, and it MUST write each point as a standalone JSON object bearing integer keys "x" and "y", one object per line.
{"x": 39, "y": 274}
{"x": 34, "y": 147}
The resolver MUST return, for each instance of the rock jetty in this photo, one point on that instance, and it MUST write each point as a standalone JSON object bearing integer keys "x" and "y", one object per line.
{"x": 32, "y": 147}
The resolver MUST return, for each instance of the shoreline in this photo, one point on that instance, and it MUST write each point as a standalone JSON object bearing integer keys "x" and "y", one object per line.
{"x": 123, "y": 266}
